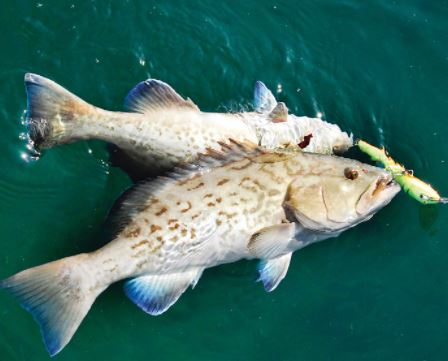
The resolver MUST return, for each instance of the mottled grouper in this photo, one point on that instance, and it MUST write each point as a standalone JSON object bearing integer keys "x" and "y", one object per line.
{"x": 243, "y": 203}
{"x": 163, "y": 129}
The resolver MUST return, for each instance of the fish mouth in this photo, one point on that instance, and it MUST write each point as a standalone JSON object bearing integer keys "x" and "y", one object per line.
{"x": 340, "y": 149}
{"x": 378, "y": 195}
{"x": 383, "y": 183}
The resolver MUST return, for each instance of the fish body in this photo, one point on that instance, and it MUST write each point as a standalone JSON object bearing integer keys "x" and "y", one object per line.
{"x": 163, "y": 129}
{"x": 245, "y": 203}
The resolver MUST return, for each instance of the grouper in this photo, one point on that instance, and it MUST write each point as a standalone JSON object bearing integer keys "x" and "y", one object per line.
{"x": 162, "y": 129}
{"x": 242, "y": 202}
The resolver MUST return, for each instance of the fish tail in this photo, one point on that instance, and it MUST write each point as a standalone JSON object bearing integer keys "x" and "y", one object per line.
{"x": 53, "y": 113}
{"x": 58, "y": 295}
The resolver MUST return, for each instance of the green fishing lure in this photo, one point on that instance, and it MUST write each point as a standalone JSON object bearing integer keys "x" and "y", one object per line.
{"x": 416, "y": 188}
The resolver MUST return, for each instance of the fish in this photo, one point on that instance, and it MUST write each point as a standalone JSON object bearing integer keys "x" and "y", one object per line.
{"x": 242, "y": 202}
{"x": 162, "y": 129}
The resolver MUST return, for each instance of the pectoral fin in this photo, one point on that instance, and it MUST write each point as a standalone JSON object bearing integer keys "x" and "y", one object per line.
{"x": 272, "y": 271}
{"x": 272, "y": 241}
{"x": 280, "y": 113}
{"x": 155, "y": 294}
{"x": 264, "y": 101}
{"x": 151, "y": 95}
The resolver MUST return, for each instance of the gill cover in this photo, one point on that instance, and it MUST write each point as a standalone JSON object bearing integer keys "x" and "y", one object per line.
{"x": 326, "y": 203}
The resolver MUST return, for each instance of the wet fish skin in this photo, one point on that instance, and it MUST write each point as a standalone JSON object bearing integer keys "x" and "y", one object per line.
{"x": 162, "y": 129}
{"x": 244, "y": 204}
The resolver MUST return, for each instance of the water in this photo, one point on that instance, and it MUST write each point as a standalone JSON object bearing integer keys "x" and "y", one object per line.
{"x": 377, "y": 68}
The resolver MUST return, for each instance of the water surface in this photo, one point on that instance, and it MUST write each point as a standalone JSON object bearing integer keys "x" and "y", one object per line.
{"x": 379, "y": 69}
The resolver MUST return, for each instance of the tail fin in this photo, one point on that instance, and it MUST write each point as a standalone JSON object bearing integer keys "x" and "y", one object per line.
{"x": 52, "y": 111}
{"x": 58, "y": 295}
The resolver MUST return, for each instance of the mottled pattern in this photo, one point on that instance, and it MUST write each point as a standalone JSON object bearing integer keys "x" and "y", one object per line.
{"x": 208, "y": 215}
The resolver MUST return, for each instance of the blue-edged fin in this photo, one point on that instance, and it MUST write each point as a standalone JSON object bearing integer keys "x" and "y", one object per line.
{"x": 272, "y": 271}
{"x": 153, "y": 95}
{"x": 269, "y": 242}
{"x": 58, "y": 295}
{"x": 155, "y": 294}
{"x": 264, "y": 101}
{"x": 53, "y": 112}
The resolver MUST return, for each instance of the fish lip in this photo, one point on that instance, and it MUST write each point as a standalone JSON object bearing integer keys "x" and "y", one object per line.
{"x": 388, "y": 187}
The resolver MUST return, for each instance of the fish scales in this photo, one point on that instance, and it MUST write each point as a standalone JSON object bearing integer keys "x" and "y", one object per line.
{"x": 241, "y": 203}
{"x": 162, "y": 129}
{"x": 188, "y": 218}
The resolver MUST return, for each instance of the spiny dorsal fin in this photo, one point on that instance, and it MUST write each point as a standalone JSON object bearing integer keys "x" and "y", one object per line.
{"x": 151, "y": 95}
{"x": 264, "y": 101}
{"x": 140, "y": 194}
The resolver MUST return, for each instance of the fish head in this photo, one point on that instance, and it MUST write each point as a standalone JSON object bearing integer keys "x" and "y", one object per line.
{"x": 340, "y": 197}
{"x": 342, "y": 143}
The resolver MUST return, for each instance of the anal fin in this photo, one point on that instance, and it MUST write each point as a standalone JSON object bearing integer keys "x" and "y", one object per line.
{"x": 154, "y": 294}
{"x": 272, "y": 271}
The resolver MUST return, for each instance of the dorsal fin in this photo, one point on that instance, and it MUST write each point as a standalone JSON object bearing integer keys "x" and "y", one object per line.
{"x": 279, "y": 114}
{"x": 140, "y": 194}
{"x": 151, "y": 95}
{"x": 264, "y": 101}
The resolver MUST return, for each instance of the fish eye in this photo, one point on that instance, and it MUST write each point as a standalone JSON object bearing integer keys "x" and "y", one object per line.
{"x": 351, "y": 173}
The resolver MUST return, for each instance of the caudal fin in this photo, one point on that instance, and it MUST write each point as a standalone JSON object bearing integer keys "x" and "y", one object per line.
{"x": 52, "y": 112}
{"x": 58, "y": 295}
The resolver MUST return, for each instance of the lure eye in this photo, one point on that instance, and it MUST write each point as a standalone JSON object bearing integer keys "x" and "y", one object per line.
{"x": 351, "y": 173}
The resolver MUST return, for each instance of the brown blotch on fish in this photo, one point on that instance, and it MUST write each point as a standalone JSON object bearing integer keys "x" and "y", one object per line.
{"x": 161, "y": 211}
{"x": 244, "y": 166}
{"x": 208, "y": 195}
{"x": 211, "y": 204}
{"x": 223, "y": 181}
{"x": 218, "y": 222}
{"x": 188, "y": 208}
{"x": 155, "y": 228}
{"x": 172, "y": 221}
{"x": 176, "y": 226}
{"x": 196, "y": 187}
{"x": 219, "y": 199}
{"x": 228, "y": 215}
{"x": 159, "y": 238}
{"x": 184, "y": 232}
{"x": 139, "y": 244}
{"x": 133, "y": 233}
{"x": 185, "y": 181}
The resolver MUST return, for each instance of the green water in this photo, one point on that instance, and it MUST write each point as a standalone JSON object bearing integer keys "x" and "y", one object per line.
{"x": 377, "y": 68}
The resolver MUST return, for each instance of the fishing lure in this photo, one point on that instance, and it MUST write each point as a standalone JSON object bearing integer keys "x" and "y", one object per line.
{"x": 416, "y": 188}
